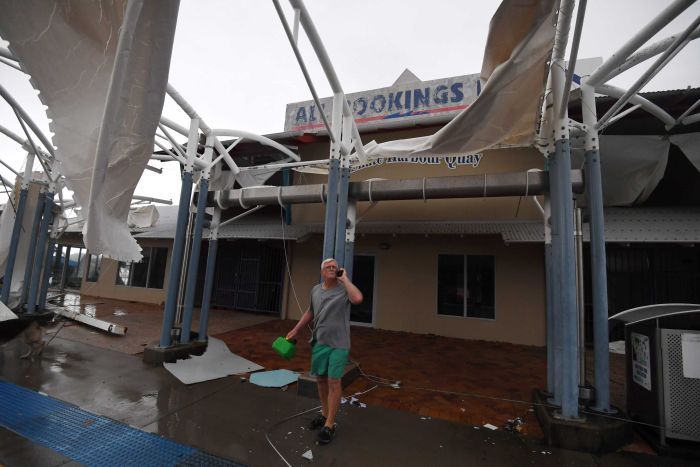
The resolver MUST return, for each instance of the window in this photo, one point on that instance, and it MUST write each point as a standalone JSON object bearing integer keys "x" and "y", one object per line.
{"x": 93, "y": 272}
{"x": 466, "y": 286}
{"x": 149, "y": 272}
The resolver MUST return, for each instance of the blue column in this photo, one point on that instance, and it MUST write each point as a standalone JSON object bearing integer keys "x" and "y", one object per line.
{"x": 176, "y": 259}
{"x": 287, "y": 181}
{"x": 14, "y": 243}
{"x": 32, "y": 248}
{"x": 40, "y": 253}
{"x": 193, "y": 265}
{"x": 563, "y": 251}
{"x": 549, "y": 307}
{"x": 555, "y": 279}
{"x": 208, "y": 286}
{"x": 331, "y": 210}
{"x": 48, "y": 262}
{"x": 342, "y": 218}
{"x": 599, "y": 283}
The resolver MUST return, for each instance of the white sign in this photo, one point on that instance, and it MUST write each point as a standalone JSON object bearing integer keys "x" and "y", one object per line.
{"x": 690, "y": 345}
{"x": 641, "y": 365}
{"x": 409, "y": 101}
{"x": 450, "y": 161}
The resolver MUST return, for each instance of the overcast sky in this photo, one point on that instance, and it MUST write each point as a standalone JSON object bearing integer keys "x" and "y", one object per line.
{"x": 232, "y": 62}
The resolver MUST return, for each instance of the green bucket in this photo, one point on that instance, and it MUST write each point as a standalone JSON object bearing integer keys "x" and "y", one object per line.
{"x": 285, "y": 348}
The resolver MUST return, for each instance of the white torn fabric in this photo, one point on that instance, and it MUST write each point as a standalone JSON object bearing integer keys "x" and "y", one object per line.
{"x": 216, "y": 362}
{"x": 69, "y": 49}
{"x": 690, "y": 145}
{"x": 308, "y": 455}
{"x": 142, "y": 217}
{"x": 505, "y": 114}
{"x": 631, "y": 167}
{"x": 131, "y": 115}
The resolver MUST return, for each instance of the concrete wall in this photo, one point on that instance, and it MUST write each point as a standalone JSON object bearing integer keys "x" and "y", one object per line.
{"x": 405, "y": 297}
{"x": 106, "y": 283}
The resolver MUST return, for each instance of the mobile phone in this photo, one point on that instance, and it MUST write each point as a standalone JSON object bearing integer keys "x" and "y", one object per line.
{"x": 338, "y": 273}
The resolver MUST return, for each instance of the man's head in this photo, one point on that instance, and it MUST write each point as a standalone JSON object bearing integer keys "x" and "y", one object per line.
{"x": 329, "y": 266}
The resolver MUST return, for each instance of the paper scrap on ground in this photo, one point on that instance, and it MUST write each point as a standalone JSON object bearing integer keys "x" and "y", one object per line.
{"x": 308, "y": 455}
{"x": 490, "y": 427}
{"x": 217, "y": 362}
{"x": 274, "y": 378}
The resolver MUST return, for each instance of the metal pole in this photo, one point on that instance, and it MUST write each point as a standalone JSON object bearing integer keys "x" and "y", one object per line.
{"x": 32, "y": 248}
{"x": 193, "y": 266}
{"x": 555, "y": 276}
{"x": 209, "y": 276}
{"x": 549, "y": 290}
{"x": 580, "y": 298}
{"x": 14, "y": 243}
{"x": 176, "y": 258}
{"x": 40, "y": 252}
{"x": 599, "y": 281}
{"x": 342, "y": 218}
{"x": 43, "y": 292}
{"x": 333, "y": 175}
{"x": 350, "y": 237}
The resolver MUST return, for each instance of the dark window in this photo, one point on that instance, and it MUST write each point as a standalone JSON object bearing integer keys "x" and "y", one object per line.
{"x": 93, "y": 272}
{"x": 149, "y": 272}
{"x": 471, "y": 277}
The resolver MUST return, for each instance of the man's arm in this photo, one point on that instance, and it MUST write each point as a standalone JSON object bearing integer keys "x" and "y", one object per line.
{"x": 354, "y": 294}
{"x": 305, "y": 318}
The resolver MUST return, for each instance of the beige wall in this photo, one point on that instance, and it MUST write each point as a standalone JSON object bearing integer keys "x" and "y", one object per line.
{"x": 106, "y": 284}
{"x": 405, "y": 296}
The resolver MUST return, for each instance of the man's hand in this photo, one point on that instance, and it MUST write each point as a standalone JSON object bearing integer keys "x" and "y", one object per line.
{"x": 342, "y": 277}
{"x": 291, "y": 334}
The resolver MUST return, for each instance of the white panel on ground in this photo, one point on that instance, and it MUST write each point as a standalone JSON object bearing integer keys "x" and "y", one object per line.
{"x": 217, "y": 362}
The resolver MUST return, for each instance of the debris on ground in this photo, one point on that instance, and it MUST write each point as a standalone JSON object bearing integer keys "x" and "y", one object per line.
{"x": 515, "y": 424}
{"x": 308, "y": 455}
{"x": 490, "y": 427}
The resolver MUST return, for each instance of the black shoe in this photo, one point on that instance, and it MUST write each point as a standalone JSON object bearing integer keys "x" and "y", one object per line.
{"x": 326, "y": 435}
{"x": 317, "y": 422}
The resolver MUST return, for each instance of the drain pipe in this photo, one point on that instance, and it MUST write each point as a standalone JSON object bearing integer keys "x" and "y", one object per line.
{"x": 580, "y": 298}
{"x": 179, "y": 241}
{"x": 40, "y": 251}
{"x": 38, "y": 212}
{"x": 16, "y": 230}
{"x": 209, "y": 276}
{"x": 193, "y": 266}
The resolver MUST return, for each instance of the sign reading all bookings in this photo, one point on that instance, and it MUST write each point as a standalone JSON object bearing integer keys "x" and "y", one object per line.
{"x": 414, "y": 100}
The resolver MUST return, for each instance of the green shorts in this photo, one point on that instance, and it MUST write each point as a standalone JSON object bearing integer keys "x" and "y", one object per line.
{"x": 328, "y": 361}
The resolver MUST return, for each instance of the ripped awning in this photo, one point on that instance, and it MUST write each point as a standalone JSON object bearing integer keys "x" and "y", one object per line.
{"x": 505, "y": 114}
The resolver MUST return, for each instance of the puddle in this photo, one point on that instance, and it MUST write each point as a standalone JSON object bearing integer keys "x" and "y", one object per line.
{"x": 57, "y": 365}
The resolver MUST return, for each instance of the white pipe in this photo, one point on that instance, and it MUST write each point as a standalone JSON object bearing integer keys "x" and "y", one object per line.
{"x": 671, "y": 52}
{"x": 154, "y": 169}
{"x": 563, "y": 105}
{"x": 152, "y": 200}
{"x": 647, "y": 105}
{"x": 644, "y": 34}
{"x": 5, "y": 53}
{"x": 691, "y": 119}
{"x": 9, "y": 167}
{"x": 173, "y": 156}
{"x": 10, "y": 64}
{"x": 648, "y": 52}
{"x": 286, "y": 164}
{"x": 176, "y": 146}
{"x": 686, "y": 113}
{"x": 24, "y": 116}
{"x": 260, "y": 139}
{"x": 292, "y": 37}
{"x": 243, "y": 214}
{"x": 619, "y": 116}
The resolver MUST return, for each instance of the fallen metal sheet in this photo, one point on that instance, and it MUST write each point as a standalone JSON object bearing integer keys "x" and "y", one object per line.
{"x": 217, "y": 362}
{"x": 5, "y": 313}
{"x": 274, "y": 378}
{"x": 111, "y": 328}
{"x": 661, "y": 310}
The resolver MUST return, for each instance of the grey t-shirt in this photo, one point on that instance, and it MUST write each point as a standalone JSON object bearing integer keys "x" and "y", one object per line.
{"x": 331, "y": 311}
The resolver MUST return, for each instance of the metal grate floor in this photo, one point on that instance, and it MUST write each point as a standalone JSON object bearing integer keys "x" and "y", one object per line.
{"x": 88, "y": 438}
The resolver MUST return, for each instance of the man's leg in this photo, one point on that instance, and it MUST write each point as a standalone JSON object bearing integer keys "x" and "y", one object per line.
{"x": 322, "y": 384}
{"x": 335, "y": 391}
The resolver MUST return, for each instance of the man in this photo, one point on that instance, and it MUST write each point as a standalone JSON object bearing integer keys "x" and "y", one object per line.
{"x": 330, "y": 341}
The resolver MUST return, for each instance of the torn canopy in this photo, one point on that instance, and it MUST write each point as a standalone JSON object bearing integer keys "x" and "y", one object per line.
{"x": 505, "y": 114}
{"x": 101, "y": 69}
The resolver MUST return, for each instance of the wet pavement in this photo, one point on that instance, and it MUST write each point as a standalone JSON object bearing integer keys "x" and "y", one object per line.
{"x": 230, "y": 417}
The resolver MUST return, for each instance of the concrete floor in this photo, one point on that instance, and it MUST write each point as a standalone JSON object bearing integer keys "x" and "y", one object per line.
{"x": 229, "y": 418}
